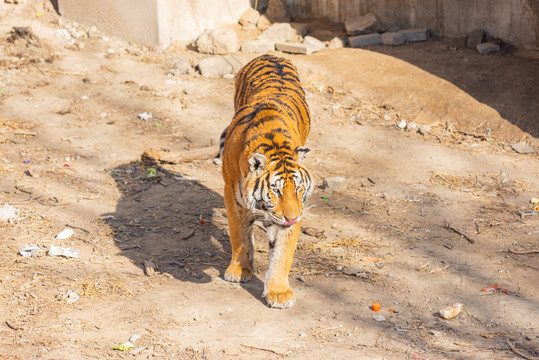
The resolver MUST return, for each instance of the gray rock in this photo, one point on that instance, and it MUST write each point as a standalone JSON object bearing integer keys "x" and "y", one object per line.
{"x": 258, "y": 46}
{"x": 218, "y": 41}
{"x": 475, "y": 38}
{"x": 411, "y": 126}
{"x": 365, "y": 40}
{"x": 278, "y": 32}
{"x": 523, "y": 148}
{"x": 365, "y": 24}
{"x": 487, "y": 48}
{"x": 336, "y": 43}
{"x": 393, "y": 38}
{"x": 413, "y": 35}
{"x": 378, "y": 317}
{"x": 313, "y": 42}
{"x": 183, "y": 66}
{"x": 295, "y": 48}
{"x": 249, "y": 19}
{"x": 215, "y": 66}
{"x": 424, "y": 129}
{"x": 338, "y": 183}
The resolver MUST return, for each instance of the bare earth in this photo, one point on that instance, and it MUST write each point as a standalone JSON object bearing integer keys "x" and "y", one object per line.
{"x": 70, "y": 157}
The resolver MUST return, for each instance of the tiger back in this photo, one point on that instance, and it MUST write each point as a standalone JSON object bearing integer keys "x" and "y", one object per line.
{"x": 262, "y": 152}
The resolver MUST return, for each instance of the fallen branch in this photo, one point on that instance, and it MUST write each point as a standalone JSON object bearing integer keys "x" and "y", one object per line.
{"x": 516, "y": 351}
{"x": 523, "y": 252}
{"x": 263, "y": 349}
{"x": 449, "y": 227}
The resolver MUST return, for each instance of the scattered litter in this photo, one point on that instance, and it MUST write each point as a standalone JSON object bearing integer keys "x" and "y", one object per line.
{"x": 134, "y": 338}
{"x": 419, "y": 357}
{"x": 202, "y": 221}
{"x": 71, "y": 297}
{"x": 124, "y": 346}
{"x": 401, "y": 124}
{"x": 376, "y": 306}
{"x": 29, "y": 250}
{"x": 65, "y": 234}
{"x": 534, "y": 201}
{"x": 217, "y": 161}
{"x": 378, "y": 317}
{"x": 338, "y": 268}
{"x": 8, "y": 212}
{"x": 61, "y": 251}
{"x": 27, "y": 161}
{"x": 495, "y": 288}
{"x": 159, "y": 124}
{"x": 451, "y": 312}
{"x": 152, "y": 172}
{"x": 487, "y": 336}
{"x": 145, "y": 116}
{"x": 324, "y": 197}
{"x": 370, "y": 259}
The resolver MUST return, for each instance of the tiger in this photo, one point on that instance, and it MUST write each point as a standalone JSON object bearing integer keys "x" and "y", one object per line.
{"x": 262, "y": 152}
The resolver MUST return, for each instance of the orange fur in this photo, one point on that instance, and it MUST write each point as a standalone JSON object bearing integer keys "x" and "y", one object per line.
{"x": 262, "y": 152}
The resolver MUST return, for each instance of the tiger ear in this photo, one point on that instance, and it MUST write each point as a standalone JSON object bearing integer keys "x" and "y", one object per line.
{"x": 257, "y": 162}
{"x": 302, "y": 152}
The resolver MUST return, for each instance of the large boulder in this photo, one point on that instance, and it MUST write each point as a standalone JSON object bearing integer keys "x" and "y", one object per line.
{"x": 218, "y": 41}
{"x": 365, "y": 24}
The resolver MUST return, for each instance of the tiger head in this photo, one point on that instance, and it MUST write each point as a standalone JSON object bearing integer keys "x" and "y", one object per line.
{"x": 278, "y": 186}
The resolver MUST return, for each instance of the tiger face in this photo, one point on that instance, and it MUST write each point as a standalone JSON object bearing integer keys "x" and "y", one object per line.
{"x": 278, "y": 187}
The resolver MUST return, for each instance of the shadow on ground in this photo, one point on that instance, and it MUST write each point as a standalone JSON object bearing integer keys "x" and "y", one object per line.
{"x": 176, "y": 224}
{"x": 504, "y": 81}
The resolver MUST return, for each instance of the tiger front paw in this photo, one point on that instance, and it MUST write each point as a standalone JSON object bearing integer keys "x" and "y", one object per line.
{"x": 280, "y": 299}
{"x": 235, "y": 273}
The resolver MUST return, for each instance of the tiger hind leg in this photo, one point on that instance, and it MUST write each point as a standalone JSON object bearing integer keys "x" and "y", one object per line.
{"x": 282, "y": 247}
{"x": 241, "y": 266}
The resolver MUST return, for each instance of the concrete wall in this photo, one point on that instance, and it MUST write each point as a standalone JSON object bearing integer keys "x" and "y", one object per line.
{"x": 514, "y": 21}
{"x": 154, "y": 22}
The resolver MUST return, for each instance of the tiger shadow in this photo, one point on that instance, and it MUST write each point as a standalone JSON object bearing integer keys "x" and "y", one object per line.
{"x": 176, "y": 225}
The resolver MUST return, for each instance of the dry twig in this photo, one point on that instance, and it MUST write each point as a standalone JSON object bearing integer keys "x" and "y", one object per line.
{"x": 263, "y": 349}
{"x": 523, "y": 252}
{"x": 449, "y": 227}
{"x": 518, "y": 352}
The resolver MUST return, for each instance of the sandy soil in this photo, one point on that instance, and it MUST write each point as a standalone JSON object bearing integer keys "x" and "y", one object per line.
{"x": 70, "y": 157}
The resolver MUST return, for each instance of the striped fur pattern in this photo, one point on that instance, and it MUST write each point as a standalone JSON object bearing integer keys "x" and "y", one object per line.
{"x": 262, "y": 151}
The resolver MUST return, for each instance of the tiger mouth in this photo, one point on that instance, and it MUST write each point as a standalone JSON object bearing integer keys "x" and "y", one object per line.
{"x": 284, "y": 222}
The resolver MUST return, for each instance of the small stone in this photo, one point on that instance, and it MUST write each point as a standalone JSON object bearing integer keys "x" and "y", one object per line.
{"x": 294, "y": 48}
{"x": 217, "y": 161}
{"x": 314, "y": 43}
{"x": 338, "y": 268}
{"x": 393, "y": 38}
{"x": 411, "y": 126}
{"x": 424, "y": 129}
{"x": 365, "y": 40}
{"x": 365, "y": 24}
{"x": 134, "y": 338}
{"x": 278, "y": 32}
{"x": 475, "y": 38}
{"x": 218, "y": 41}
{"x": 258, "y": 46}
{"x": 302, "y": 278}
{"x": 401, "y": 124}
{"x": 413, "y": 35}
{"x": 336, "y": 183}
{"x": 149, "y": 268}
{"x": 302, "y": 335}
{"x": 214, "y": 66}
{"x": 249, "y": 19}
{"x": 208, "y": 254}
{"x": 523, "y": 148}
{"x": 378, "y": 317}
{"x": 487, "y": 48}
{"x": 183, "y": 66}
{"x": 337, "y": 43}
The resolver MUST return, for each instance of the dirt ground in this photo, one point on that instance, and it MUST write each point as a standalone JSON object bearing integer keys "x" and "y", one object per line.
{"x": 427, "y": 220}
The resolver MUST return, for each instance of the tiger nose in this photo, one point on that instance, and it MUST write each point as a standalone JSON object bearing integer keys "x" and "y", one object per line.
{"x": 289, "y": 222}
